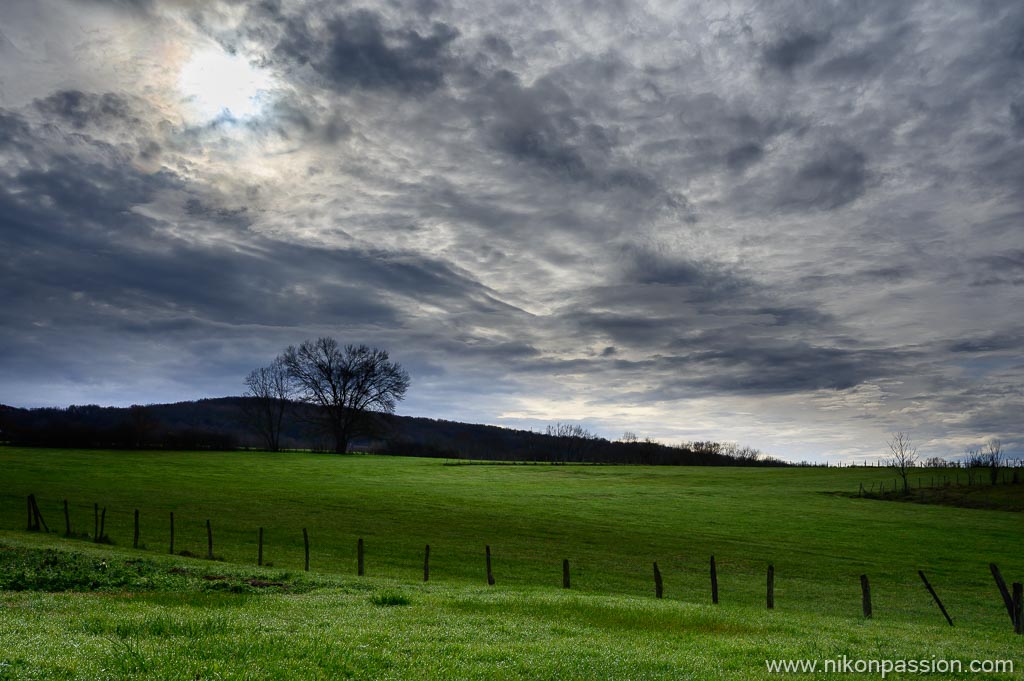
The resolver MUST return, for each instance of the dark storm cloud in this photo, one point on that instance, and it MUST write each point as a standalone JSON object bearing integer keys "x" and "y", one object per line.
{"x": 544, "y": 126}
{"x": 1013, "y": 340}
{"x": 356, "y": 50}
{"x": 744, "y": 155}
{"x": 835, "y": 176}
{"x": 704, "y": 280}
{"x": 794, "y": 50}
{"x": 13, "y": 130}
{"x": 1017, "y": 115}
{"x": 794, "y": 367}
{"x": 717, "y": 363}
{"x": 77, "y": 254}
{"x": 81, "y": 109}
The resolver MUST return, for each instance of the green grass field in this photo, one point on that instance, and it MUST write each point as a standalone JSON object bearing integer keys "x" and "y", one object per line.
{"x": 611, "y": 522}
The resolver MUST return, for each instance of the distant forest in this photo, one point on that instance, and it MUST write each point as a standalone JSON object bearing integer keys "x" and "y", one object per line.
{"x": 222, "y": 423}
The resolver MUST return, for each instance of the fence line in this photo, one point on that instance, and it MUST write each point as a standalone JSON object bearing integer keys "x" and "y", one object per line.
{"x": 1014, "y": 602}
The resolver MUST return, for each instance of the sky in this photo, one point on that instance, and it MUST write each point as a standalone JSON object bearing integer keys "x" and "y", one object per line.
{"x": 794, "y": 225}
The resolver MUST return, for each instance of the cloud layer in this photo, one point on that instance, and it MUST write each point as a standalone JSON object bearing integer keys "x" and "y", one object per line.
{"x": 800, "y": 228}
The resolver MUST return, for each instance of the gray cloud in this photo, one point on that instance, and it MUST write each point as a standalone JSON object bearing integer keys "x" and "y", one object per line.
{"x": 793, "y": 51}
{"x": 81, "y": 109}
{"x": 836, "y": 176}
{"x": 356, "y": 50}
{"x": 809, "y": 214}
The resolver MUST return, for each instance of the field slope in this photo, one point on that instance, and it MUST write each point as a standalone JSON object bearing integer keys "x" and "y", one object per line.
{"x": 611, "y": 522}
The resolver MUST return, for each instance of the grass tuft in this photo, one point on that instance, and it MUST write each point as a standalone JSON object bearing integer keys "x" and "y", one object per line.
{"x": 389, "y": 598}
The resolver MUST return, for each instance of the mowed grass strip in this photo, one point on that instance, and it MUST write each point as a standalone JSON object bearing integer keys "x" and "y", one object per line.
{"x": 374, "y": 628}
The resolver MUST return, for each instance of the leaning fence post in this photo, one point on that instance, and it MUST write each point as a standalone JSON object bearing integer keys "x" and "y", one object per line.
{"x": 259, "y": 555}
{"x": 935, "y": 596}
{"x": 865, "y": 591}
{"x": 172, "y": 533}
{"x": 305, "y": 540}
{"x": 40, "y": 521}
{"x": 714, "y": 581}
{"x": 31, "y": 515}
{"x": 67, "y": 520}
{"x": 1008, "y": 601}
{"x": 426, "y": 564}
{"x": 359, "y": 558}
{"x": 1018, "y": 608}
{"x": 771, "y": 587}
{"x": 209, "y": 540}
{"x": 135, "y": 539}
{"x": 490, "y": 575}
{"x": 659, "y": 590}
{"x": 565, "y": 573}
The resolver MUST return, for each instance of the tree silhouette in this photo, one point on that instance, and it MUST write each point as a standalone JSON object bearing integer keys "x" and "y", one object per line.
{"x": 904, "y": 457}
{"x": 268, "y": 389}
{"x": 347, "y": 384}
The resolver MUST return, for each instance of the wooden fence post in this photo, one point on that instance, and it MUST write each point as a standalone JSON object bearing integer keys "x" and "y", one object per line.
{"x": 771, "y": 587}
{"x": 714, "y": 581}
{"x": 67, "y": 520}
{"x": 40, "y": 523}
{"x": 565, "y": 573}
{"x": 1018, "y": 608}
{"x": 31, "y": 516}
{"x": 865, "y": 592}
{"x": 96, "y": 522}
{"x": 935, "y": 596}
{"x": 1003, "y": 591}
{"x": 135, "y": 539}
{"x": 259, "y": 554}
{"x": 659, "y": 590}
{"x": 490, "y": 575}
{"x": 305, "y": 540}
{"x": 172, "y": 534}
{"x": 426, "y": 564}
{"x": 209, "y": 540}
{"x": 103, "y": 524}
{"x": 359, "y": 558}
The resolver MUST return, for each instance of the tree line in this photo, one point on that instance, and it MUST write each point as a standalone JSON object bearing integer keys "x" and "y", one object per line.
{"x": 982, "y": 462}
{"x": 325, "y": 396}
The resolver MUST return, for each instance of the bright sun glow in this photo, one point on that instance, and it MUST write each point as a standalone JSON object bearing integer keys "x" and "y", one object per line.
{"x": 215, "y": 83}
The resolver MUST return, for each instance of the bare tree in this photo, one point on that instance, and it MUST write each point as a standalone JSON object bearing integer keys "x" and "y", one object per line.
{"x": 347, "y": 384}
{"x": 572, "y": 440}
{"x": 904, "y": 457}
{"x": 269, "y": 390}
{"x": 993, "y": 458}
{"x": 973, "y": 459}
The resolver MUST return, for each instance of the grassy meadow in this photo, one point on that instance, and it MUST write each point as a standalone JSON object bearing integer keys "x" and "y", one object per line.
{"x": 166, "y": 619}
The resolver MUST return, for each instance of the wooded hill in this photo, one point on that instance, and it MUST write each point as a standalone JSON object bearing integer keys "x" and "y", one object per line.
{"x": 221, "y": 423}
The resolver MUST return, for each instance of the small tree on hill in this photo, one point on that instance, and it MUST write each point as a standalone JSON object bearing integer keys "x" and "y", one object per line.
{"x": 993, "y": 458}
{"x": 268, "y": 389}
{"x": 347, "y": 383}
{"x": 904, "y": 457}
{"x": 973, "y": 459}
{"x": 571, "y": 440}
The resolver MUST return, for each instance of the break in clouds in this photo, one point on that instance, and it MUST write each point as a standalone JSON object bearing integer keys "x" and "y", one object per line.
{"x": 793, "y": 225}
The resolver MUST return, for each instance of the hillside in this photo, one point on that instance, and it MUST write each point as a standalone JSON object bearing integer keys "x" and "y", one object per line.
{"x": 221, "y": 423}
